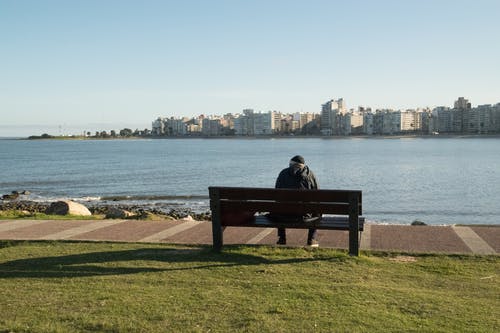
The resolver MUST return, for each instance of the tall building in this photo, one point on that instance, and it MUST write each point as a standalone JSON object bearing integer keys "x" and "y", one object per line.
{"x": 158, "y": 127}
{"x": 410, "y": 121}
{"x": 461, "y": 116}
{"x": 211, "y": 126}
{"x": 426, "y": 120}
{"x": 368, "y": 123}
{"x": 386, "y": 122}
{"x": 445, "y": 119}
{"x": 264, "y": 123}
{"x": 250, "y": 123}
{"x": 356, "y": 124}
{"x": 462, "y": 103}
{"x": 330, "y": 112}
{"x": 495, "y": 118}
{"x": 480, "y": 119}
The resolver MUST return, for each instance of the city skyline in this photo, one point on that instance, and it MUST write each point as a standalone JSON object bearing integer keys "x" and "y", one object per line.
{"x": 75, "y": 66}
{"x": 334, "y": 120}
{"x": 63, "y": 130}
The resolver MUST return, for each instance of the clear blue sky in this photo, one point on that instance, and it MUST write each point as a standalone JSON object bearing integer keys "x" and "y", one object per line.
{"x": 108, "y": 64}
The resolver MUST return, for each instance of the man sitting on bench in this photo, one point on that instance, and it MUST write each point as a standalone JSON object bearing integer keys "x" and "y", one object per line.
{"x": 297, "y": 175}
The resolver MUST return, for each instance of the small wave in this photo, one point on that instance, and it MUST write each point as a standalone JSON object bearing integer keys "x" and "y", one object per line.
{"x": 87, "y": 199}
{"x": 152, "y": 197}
{"x": 432, "y": 213}
{"x": 39, "y": 198}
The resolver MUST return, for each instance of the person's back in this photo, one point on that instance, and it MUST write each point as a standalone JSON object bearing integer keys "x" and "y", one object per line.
{"x": 299, "y": 176}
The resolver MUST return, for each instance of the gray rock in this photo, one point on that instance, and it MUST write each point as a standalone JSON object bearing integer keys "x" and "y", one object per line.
{"x": 14, "y": 195}
{"x": 67, "y": 207}
{"x": 117, "y": 213}
{"x": 418, "y": 222}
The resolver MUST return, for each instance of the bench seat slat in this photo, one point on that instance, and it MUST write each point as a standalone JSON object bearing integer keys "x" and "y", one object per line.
{"x": 285, "y": 207}
{"x": 326, "y": 222}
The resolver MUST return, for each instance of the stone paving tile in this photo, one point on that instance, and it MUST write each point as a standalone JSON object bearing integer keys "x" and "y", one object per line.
{"x": 327, "y": 238}
{"x": 13, "y": 224}
{"x": 490, "y": 235}
{"x": 417, "y": 239}
{"x": 298, "y": 237}
{"x": 473, "y": 241}
{"x": 5, "y": 221}
{"x": 39, "y": 230}
{"x": 201, "y": 234}
{"x": 234, "y": 236}
{"x": 261, "y": 235}
{"x": 129, "y": 231}
{"x": 169, "y": 232}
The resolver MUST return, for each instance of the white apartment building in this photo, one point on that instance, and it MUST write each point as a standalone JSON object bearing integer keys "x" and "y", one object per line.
{"x": 480, "y": 119}
{"x": 243, "y": 123}
{"x": 264, "y": 123}
{"x": 175, "y": 127}
{"x": 211, "y": 127}
{"x": 409, "y": 121}
{"x": 462, "y": 103}
{"x": 330, "y": 111}
{"x": 387, "y": 122}
{"x": 251, "y": 123}
{"x": 445, "y": 119}
{"x": 495, "y": 118}
{"x": 169, "y": 126}
{"x": 306, "y": 118}
{"x": 157, "y": 127}
{"x": 368, "y": 123}
{"x": 356, "y": 123}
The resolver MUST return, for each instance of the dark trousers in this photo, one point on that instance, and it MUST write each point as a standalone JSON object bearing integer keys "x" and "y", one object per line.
{"x": 310, "y": 235}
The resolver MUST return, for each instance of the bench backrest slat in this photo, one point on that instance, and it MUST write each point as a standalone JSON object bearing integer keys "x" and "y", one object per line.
{"x": 284, "y": 194}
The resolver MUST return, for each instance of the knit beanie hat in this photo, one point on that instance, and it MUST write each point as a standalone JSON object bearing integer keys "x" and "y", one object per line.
{"x": 298, "y": 159}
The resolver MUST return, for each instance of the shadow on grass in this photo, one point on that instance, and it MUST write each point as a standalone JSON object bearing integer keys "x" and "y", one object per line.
{"x": 133, "y": 262}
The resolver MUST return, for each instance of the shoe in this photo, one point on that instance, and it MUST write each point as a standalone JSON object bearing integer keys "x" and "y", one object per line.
{"x": 281, "y": 241}
{"x": 313, "y": 243}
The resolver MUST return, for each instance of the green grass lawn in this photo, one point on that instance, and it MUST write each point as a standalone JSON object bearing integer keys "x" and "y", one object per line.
{"x": 116, "y": 287}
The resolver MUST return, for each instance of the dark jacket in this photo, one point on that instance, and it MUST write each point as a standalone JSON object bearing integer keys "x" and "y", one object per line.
{"x": 292, "y": 178}
{"x": 296, "y": 178}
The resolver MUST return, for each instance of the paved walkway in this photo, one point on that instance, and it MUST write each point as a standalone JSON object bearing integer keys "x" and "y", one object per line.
{"x": 405, "y": 238}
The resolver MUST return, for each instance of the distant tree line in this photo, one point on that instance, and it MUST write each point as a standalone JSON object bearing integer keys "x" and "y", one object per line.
{"x": 123, "y": 133}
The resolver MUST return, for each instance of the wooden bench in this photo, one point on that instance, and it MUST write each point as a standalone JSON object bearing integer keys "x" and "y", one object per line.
{"x": 246, "y": 207}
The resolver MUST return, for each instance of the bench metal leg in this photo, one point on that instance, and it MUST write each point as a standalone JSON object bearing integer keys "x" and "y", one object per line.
{"x": 353, "y": 226}
{"x": 217, "y": 229}
{"x": 353, "y": 243}
{"x": 217, "y": 233}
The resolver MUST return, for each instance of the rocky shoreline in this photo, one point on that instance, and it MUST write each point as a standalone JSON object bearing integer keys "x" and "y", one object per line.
{"x": 138, "y": 211}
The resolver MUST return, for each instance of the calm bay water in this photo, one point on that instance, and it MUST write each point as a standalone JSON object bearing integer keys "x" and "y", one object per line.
{"x": 435, "y": 180}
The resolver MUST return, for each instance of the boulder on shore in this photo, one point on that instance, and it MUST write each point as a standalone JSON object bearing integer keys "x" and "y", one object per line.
{"x": 418, "y": 222}
{"x": 13, "y": 196}
{"x": 117, "y": 213}
{"x": 67, "y": 207}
